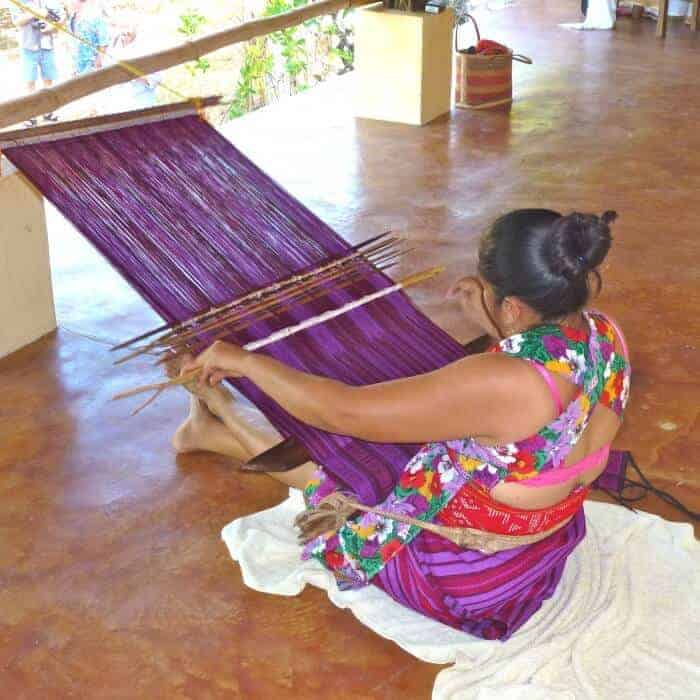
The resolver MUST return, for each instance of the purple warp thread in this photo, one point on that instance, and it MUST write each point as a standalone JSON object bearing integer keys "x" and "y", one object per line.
{"x": 190, "y": 222}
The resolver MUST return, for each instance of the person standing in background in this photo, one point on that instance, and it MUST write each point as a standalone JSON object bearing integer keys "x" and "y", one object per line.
{"x": 88, "y": 23}
{"x": 131, "y": 39}
{"x": 36, "y": 39}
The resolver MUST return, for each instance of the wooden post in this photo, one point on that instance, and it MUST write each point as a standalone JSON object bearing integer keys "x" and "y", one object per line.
{"x": 51, "y": 99}
{"x": 26, "y": 297}
{"x": 662, "y": 22}
{"x": 694, "y": 16}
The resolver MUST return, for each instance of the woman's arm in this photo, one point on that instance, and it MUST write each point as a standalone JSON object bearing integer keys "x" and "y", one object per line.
{"x": 474, "y": 396}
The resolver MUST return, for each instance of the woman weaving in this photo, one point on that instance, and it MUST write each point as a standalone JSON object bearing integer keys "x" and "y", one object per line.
{"x": 540, "y": 411}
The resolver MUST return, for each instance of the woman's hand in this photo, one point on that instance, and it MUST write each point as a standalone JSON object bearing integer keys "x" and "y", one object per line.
{"x": 469, "y": 292}
{"x": 466, "y": 289}
{"x": 218, "y": 361}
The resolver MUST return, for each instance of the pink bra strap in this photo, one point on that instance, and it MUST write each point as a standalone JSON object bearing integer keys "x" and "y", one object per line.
{"x": 553, "y": 388}
{"x": 621, "y": 336}
{"x": 562, "y": 474}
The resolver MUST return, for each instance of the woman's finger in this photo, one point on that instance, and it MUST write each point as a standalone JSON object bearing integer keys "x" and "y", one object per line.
{"x": 464, "y": 285}
{"x": 188, "y": 366}
{"x": 216, "y": 377}
{"x": 203, "y": 377}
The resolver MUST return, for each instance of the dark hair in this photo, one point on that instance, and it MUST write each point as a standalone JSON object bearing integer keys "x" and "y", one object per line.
{"x": 545, "y": 259}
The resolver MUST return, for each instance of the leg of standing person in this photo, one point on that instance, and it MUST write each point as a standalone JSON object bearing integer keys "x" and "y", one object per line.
{"x": 49, "y": 75}
{"x": 30, "y": 69}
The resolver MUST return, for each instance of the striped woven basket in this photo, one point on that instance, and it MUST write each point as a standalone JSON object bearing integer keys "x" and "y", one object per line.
{"x": 482, "y": 81}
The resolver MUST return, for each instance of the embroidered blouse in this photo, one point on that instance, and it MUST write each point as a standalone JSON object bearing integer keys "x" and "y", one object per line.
{"x": 361, "y": 547}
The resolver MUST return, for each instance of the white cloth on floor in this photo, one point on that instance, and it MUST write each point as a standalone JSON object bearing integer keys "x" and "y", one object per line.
{"x": 602, "y": 14}
{"x": 622, "y": 624}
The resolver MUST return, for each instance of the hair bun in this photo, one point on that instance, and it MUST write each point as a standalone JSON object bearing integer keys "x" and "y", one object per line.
{"x": 579, "y": 243}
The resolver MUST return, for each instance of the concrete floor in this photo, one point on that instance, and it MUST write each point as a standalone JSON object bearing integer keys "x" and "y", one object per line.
{"x": 113, "y": 580}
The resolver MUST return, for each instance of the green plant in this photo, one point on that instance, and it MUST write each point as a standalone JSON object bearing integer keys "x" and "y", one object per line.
{"x": 293, "y": 47}
{"x": 190, "y": 23}
{"x": 299, "y": 54}
{"x": 201, "y": 65}
{"x": 257, "y": 63}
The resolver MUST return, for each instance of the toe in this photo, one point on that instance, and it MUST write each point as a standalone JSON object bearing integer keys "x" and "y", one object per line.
{"x": 182, "y": 440}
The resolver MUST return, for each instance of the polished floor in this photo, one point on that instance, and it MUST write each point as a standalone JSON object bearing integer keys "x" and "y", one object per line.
{"x": 114, "y": 582}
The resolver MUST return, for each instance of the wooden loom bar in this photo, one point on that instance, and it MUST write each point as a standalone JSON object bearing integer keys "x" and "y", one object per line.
{"x": 231, "y": 320}
{"x": 196, "y": 346}
{"x": 233, "y": 316}
{"x": 255, "y": 302}
{"x": 94, "y": 125}
{"x": 303, "y": 294}
{"x": 51, "y": 99}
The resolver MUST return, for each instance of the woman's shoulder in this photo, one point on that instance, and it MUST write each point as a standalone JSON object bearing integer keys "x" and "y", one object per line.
{"x": 494, "y": 380}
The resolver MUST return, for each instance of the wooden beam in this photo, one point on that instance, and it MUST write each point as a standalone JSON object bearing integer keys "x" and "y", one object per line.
{"x": 694, "y": 16}
{"x": 51, "y": 99}
{"x": 94, "y": 125}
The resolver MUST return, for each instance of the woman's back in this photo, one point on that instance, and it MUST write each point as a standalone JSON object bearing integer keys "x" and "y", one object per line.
{"x": 557, "y": 427}
{"x": 587, "y": 457}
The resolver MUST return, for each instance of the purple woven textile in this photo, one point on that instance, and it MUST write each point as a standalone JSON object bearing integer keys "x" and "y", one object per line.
{"x": 487, "y": 595}
{"x": 189, "y": 221}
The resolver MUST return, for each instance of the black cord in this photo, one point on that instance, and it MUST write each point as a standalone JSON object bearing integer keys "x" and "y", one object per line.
{"x": 616, "y": 497}
{"x": 648, "y": 487}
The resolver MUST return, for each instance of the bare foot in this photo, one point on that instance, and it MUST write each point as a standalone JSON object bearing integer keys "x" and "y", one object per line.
{"x": 217, "y": 398}
{"x": 203, "y": 431}
{"x": 219, "y": 423}
{"x": 193, "y": 434}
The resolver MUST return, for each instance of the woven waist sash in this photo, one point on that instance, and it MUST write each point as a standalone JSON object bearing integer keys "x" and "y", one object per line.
{"x": 496, "y": 519}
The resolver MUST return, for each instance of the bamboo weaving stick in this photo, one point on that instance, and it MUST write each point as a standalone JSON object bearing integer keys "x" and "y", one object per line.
{"x": 51, "y": 99}
{"x": 271, "y": 304}
{"x": 182, "y": 335}
{"x": 228, "y": 313}
{"x": 362, "y": 249}
{"x": 309, "y": 296}
{"x": 293, "y": 330}
{"x": 333, "y": 313}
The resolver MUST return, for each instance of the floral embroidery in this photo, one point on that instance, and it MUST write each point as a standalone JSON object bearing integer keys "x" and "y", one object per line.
{"x": 513, "y": 344}
{"x": 589, "y": 362}
{"x": 524, "y": 466}
{"x": 362, "y": 546}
